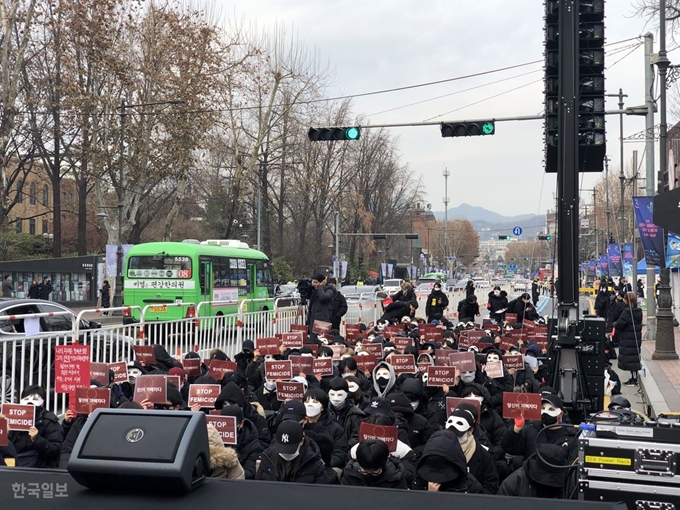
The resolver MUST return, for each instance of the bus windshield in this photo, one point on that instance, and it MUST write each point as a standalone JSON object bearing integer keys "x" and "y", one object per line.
{"x": 155, "y": 266}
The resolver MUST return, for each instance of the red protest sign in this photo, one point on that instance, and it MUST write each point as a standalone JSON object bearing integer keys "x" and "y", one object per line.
{"x": 19, "y": 417}
{"x": 463, "y": 361}
{"x": 507, "y": 343}
{"x": 226, "y": 426}
{"x": 393, "y": 331}
{"x": 441, "y": 357}
{"x": 278, "y": 370}
{"x": 88, "y": 399}
{"x": 453, "y": 402}
{"x": 192, "y": 366}
{"x": 439, "y": 376}
{"x": 530, "y": 325}
{"x": 433, "y": 335}
{"x": 321, "y": 327}
{"x": 376, "y": 349}
{"x": 337, "y": 350}
{"x": 292, "y": 340}
{"x": 204, "y": 395}
{"x": 153, "y": 388}
{"x": 463, "y": 341}
{"x": 145, "y": 355}
{"x": 290, "y": 391}
{"x": 302, "y": 364}
{"x": 299, "y": 327}
{"x": 120, "y": 372}
{"x": 427, "y": 327}
{"x": 100, "y": 373}
{"x": 422, "y": 367}
{"x": 402, "y": 342}
{"x": 323, "y": 367}
{"x": 511, "y": 317}
{"x": 4, "y": 441}
{"x": 366, "y": 362}
{"x": 352, "y": 327}
{"x": 72, "y": 367}
{"x": 403, "y": 363}
{"x": 515, "y": 361}
{"x": 175, "y": 380}
{"x": 522, "y": 405}
{"x": 219, "y": 367}
{"x": 388, "y": 434}
{"x": 494, "y": 369}
{"x": 268, "y": 346}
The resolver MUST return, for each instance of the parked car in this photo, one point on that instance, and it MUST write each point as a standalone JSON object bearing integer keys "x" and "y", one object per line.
{"x": 392, "y": 286}
{"x": 357, "y": 290}
{"x": 288, "y": 295}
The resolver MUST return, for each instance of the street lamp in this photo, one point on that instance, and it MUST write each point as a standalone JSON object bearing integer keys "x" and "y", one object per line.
{"x": 118, "y": 291}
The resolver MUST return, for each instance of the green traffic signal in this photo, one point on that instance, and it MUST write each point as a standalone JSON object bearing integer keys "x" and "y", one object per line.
{"x": 454, "y": 129}
{"x": 488, "y": 128}
{"x": 334, "y": 134}
{"x": 352, "y": 133}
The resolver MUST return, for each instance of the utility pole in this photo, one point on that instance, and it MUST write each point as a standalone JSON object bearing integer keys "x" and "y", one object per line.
{"x": 649, "y": 177}
{"x": 606, "y": 193}
{"x": 622, "y": 177}
{"x": 446, "y": 174}
{"x": 336, "y": 265}
{"x": 597, "y": 238}
{"x": 635, "y": 179}
{"x": 665, "y": 337}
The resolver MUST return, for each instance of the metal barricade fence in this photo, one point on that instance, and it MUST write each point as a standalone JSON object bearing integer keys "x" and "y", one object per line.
{"x": 215, "y": 330}
{"x": 285, "y": 316}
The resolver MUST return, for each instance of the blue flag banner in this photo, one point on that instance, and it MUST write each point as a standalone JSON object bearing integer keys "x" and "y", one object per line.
{"x": 592, "y": 267}
{"x": 651, "y": 236}
{"x": 673, "y": 251}
{"x": 604, "y": 265}
{"x": 614, "y": 255}
{"x": 628, "y": 260}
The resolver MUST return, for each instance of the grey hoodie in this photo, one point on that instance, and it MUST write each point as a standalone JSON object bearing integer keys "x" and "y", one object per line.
{"x": 390, "y": 384}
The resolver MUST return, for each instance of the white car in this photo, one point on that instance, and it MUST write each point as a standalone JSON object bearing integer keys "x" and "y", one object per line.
{"x": 392, "y": 286}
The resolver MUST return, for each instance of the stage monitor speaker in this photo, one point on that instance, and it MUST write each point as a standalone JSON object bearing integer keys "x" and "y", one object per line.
{"x": 144, "y": 451}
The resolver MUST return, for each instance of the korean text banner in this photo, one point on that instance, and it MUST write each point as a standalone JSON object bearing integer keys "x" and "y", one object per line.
{"x": 628, "y": 260}
{"x": 614, "y": 254}
{"x": 651, "y": 236}
{"x": 604, "y": 265}
{"x": 673, "y": 252}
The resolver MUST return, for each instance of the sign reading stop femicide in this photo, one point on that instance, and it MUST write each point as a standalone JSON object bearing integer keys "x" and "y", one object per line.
{"x": 71, "y": 367}
{"x": 19, "y": 417}
{"x": 292, "y": 340}
{"x": 323, "y": 367}
{"x": 145, "y": 355}
{"x": 278, "y": 370}
{"x": 494, "y": 369}
{"x": 337, "y": 351}
{"x": 522, "y": 405}
{"x": 226, "y": 426}
{"x": 515, "y": 361}
{"x": 388, "y": 434}
{"x": 153, "y": 388}
{"x": 440, "y": 376}
{"x": 204, "y": 395}
{"x": 100, "y": 373}
{"x": 120, "y": 371}
{"x": 463, "y": 361}
{"x": 4, "y": 441}
{"x": 88, "y": 399}
{"x": 402, "y": 342}
{"x": 290, "y": 391}
{"x": 403, "y": 363}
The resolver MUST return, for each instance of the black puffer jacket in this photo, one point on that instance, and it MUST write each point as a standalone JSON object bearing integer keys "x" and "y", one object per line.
{"x": 392, "y": 476}
{"x": 491, "y": 422}
{"x": 248, "y": 448}
{"x": 232, "y": 393}
{"x": 337, "y": 434}
{"x": 408, "y": 296}
{"x": 527, "y": 440}
{"x": 629, "y": 331}
{"x": 350, "y": 418}
{"x": 306, "y": 468}
{"x": 496, "y": 303}
{"x": 483, "y": 468}
{"x": 164, "y": 362}
{"x": 71, "y": 433}
{"x": 467, "y": 311}
{"x": 437, "y": 302}
{"x": 44, "y": 451}
{"x": 413, "y": 387}
{"x": 321, "y": 305}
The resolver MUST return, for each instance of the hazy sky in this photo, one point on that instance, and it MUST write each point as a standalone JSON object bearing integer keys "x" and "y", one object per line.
{"x": 381, "y": 44}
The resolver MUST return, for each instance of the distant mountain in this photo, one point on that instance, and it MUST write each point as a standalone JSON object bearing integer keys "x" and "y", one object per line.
{"x": 489, "y": 224}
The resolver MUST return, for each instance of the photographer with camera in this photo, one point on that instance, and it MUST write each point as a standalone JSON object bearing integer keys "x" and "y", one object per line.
{"x": 320, "y": 301}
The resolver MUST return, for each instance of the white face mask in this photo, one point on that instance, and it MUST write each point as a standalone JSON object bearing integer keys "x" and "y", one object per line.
{"x": 467, "y": 377}
{"x": 270, "y": 385}
{"x": 475, "y": 397}
{"x": 35, "y": 400}
{"x": 353, "y": 387}
{"x": 307, "y": 355}
{"x": 348, "y": 374}
{"x": 268, "y": 357}
{"x": 496, "y": 292}
{"x": 382, "y": 372}
{"x": 134, "y": 373}
{"x": 290, "y": 456}
{"x": 313, "y": 408}
{"x": 415, "y": 404}
{"x": 492, "y": 357}
{"x": 337, "y": 398}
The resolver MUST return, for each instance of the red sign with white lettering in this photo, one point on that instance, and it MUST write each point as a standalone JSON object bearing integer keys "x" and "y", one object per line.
{"x": 522, "y": 405}
{"x": 388, "y": 434}
{"x": 145, "y": 355}
{"x": 153, "y": 388}
{"x": 453, "y": 402}
{"x": 219, "y": 367}
{"x": 440, "y": 376}
{"x": 321, "y": 327}
{"x": 226, "y": 426}
{"x": 366, "y": 362}
{"x": 120, "y": 371}
{"x": 374, "y": 349}
{"x": 71, "y": 367}
{"x": 204, "y": 395}
{"x": 19, "y": 417}
{"x": 192, "y": 366}
{"x": 268, "y": 346}
{"x": 100, "y": 373}
{"x": 4, "y": 441}
{"x": 88, "y": 399}
{"x": 463, "y": 361}
{"x": 323, "y": 367}
{"x": 494, "y": 369}
{"x": 403, "y": 363}
{"x": 515, "y": 361}
{"x": 278, "y": 370}
{"x": 292, "y": 340}
{"x": 302, "y": 364}
{"x": 290, "y": 391}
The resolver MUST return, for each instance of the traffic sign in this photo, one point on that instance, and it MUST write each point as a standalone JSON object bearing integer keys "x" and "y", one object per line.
{"x": 512, "y": 267}
{"x": 517, "y": 231}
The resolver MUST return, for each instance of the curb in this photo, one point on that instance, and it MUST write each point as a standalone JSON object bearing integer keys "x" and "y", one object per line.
{"x": 652, "y": 395}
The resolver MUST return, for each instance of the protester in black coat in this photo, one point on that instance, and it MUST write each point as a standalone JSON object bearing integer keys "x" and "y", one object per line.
{"x": 320, "y": 301}
{"x": 232, "y": 394}
{"x": 412, "y": 387}
{"x": 613, "y": 314}
{"x": 536, "y": 478}
{"x": 306, "y": 467}
{"x": 629, "y": 331}
{"x": 469, "y": 288}
{"x": 374, "y": 467}
{"x": 40, "y": 447}
{"x": 348, "y": 416}
{"x": 396, "y": 310}
{"x": 45, "y": 289}
{"x": 468, "y": 309}
{"x": 248, "y": 447}
{"x": 491, "y": 422}
{"x": 407, "y": 294}
{"x": 419, "y": 429}
{"x": 339, "y": 306}
{"x": 34, "y": 290}
{"x": 319, "y": 415}
{"x": 535, "y": 291}
{"x": 498, "y": 300}
{"x": 602, "y": 300}
{"x": 437, "y": 302}
{"x": 523, "y": 307}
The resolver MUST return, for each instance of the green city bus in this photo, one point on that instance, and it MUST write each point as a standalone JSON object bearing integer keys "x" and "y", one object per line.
{"x": 219, "y": 270}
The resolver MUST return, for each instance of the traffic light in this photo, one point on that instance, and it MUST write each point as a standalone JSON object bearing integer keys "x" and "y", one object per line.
{"x": 504, "y": 238}
{"x": 590, "y": 84}
{"x": 484, "y": 128}
{"x": 334, "y": 134}
{"x": 544, "y": 238}
{"x": 526, "y": 259}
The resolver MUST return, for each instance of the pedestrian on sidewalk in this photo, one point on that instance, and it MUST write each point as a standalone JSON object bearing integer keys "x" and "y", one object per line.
{"x": 34, "y": 290}
{"x": 106, "y": 296}
{"x": 7, "y": 287}
{"x": 629, "y": 330}
{"x": 640, "y": 289}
